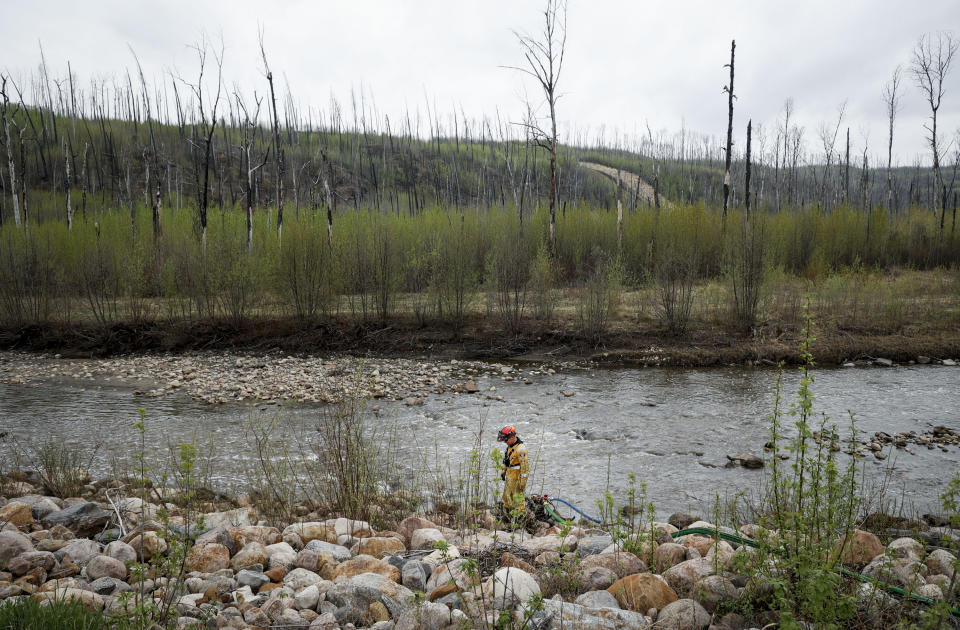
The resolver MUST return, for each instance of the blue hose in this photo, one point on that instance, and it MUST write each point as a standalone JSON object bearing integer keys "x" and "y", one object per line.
{"x": 576, "y": 509}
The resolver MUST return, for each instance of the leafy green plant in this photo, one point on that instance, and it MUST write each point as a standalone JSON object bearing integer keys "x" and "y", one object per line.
{"x": 29, "y": 614}
{"x": 812, "y": 503}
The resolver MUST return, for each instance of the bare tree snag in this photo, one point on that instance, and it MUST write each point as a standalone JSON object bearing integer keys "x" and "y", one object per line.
{"x": 729, "y": 90}
{"x": 891, "y": 98}
{"x": 932, "y": 58}
{"x": 278, "y": 152}
{"x": 11, "y": 165}
{"x": 746, "y": 183}
{"x": 544, "y": 56}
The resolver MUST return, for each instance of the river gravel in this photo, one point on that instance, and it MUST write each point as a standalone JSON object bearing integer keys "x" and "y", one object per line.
{"x": 219, "y": 377}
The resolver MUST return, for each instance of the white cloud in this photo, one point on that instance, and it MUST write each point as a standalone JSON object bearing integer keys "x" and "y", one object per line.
{"x": 627, "y": 61}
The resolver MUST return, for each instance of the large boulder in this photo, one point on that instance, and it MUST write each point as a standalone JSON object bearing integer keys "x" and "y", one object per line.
{"x": 536, "y": 546}
{"x": 683, "y": 614}
{"x": 412, "y": 524}
{"x": 300, "y": 578}
{"x": 939, "y": 562}
{"x": 453, "y": 572}
{"x": 312, "y": 531}
{"x": 148, "y": 544}
{"x": 40, "y": 506}
{"x": 385, "y": 585}
{"x": 88, "y": 599}
{"x": 426, "y": 538}
{"x": 80, "y": 551}
{"x": 597, "y": 599}
{"x": 905, "y": 572}
{"x": 906, "y": 548}
{"x": 642, "y": 591}
{"x": 366, "y": 564}
{"x": 121, "y": 551}
{"x": 12, "y": 544}
{"x": 208, "y": 558}
{"x": 698, "y": 542}
{"x": 668, "y": 555}
{"x": 592, "y": 545}
{"x": 83, "y": 519}
{"x": 559, "y": 615}
{"x": 426, "y": 616}
{"x": 414, "y": 575}
{"x": 509, "y": 587}
{"x": 712, "y": 590}
{"x": 27, "y": 562}
{"x": 16, "y": 513}
{"x": 219, "y": 535}
{"x": 254, "y": 533}
{"x": 683, "y": 577}
{"x": 252, "y": 553}
{"x": 623, "y": 563}
{"x": 859, "y": 549}
{"x": 241, "y": 517}
{"x": 352, "y": 528}
{"x": 597, "y": 578}
{"x": 378, "y": 547}
{"x": 682, "y": 520}
{"x": 339, "y": 552}
{"x": 105, "y": 566}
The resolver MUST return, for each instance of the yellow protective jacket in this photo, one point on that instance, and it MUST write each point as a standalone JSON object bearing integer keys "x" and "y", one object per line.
{"x": 516, "y": 468}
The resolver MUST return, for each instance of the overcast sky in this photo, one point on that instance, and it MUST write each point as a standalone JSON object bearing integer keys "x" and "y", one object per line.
{"x": 628, "y": 62}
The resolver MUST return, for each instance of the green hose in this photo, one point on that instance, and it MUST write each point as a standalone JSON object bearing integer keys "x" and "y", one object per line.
{"x": 745, "y": 540}
{"x": 553, "y": 515}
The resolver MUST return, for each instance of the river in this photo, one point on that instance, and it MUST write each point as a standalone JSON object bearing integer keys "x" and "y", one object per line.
{"x": 586, "y": 429}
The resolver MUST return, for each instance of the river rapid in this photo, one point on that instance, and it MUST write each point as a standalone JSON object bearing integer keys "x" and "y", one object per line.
{"x": 587, "y": 429}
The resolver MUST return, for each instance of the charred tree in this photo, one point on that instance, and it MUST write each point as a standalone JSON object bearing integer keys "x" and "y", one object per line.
{"x": 730, "y": 96}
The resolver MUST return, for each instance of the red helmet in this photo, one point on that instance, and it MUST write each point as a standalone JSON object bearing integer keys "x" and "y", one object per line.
{"x": 505, "y": 433}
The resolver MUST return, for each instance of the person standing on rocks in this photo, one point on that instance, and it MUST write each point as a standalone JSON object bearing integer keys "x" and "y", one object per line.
{"x": 515, "y": 471}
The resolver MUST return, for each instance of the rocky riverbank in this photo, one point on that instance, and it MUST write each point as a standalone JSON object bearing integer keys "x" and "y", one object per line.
{"x": 111, "y": 552}
{"x": 218, "y": 377}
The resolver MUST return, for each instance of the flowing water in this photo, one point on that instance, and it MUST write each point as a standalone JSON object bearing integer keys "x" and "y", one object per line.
{"x": 672, "y": 428}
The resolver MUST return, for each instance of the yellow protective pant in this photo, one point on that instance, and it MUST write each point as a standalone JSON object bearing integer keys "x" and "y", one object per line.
{"x": 515, "y": 484}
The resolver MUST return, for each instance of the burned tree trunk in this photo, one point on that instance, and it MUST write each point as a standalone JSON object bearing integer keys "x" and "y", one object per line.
{"x": 746, "y": 192}
{"x": 729, "y": 90}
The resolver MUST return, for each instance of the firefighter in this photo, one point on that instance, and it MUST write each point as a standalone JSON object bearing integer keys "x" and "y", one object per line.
{"x": 516, "y": 468}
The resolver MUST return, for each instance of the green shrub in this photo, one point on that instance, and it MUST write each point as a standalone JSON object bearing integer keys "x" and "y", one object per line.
{"x": 28, "y": 614}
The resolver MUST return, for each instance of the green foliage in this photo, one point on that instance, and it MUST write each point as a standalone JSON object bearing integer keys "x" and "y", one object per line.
{"x": 28, "y": 614}
{"x": 811, "y": 505}
{"x": 599, "y": 297}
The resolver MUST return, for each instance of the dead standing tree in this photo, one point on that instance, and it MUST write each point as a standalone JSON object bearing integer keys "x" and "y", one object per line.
{"x": 249, "y": 136}
{"x": 728, "y": 89}
{"x": 8, "y": 120}
{"x": 544, "y": 55}
{"x": 930, "y": 65}
{"x": 204, "y": 145}
{"x": 891, "y": 99}
{"x": 278, "y": 152}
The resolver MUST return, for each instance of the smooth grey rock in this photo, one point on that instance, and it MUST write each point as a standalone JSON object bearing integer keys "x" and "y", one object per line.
{"x": 300, "y": 578}
{"x": 253, "y": 579}
{"x": 597, "y": 599}
{"x": 426, "y": 616}
{"x": 339, "y": 552}
{"x": 593, "y": 545}
{"x": 109, "y": 586}
{"x": 565, "y": 615}
{"x": 121, "y": 551}
{"x": 683, "y": 614}
{"x": 80, "y": 551}
{"x": 415, "y": 575}
{"x": 40, "y": 506}
{"x": 12, "y": 544}
{"x": 83, "y": 519}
